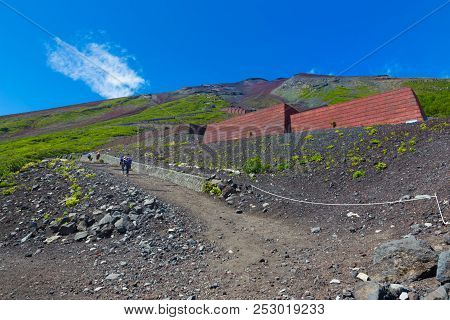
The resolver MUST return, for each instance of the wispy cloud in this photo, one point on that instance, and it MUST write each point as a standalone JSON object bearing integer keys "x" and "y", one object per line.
{"x": 108, "y": 75}
{"x": 312, "y": 71}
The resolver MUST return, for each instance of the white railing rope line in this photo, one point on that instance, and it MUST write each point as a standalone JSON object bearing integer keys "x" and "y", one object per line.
{"x": 427, "y": 197}
{"x": 440, "y": 211}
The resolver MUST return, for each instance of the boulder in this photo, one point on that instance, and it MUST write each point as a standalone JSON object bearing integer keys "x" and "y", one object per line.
{"x": 438, "y": 294}
{"x": 443, "y": 267}
{"x": 403, "y": 260}
{"x": 368, "y": 291}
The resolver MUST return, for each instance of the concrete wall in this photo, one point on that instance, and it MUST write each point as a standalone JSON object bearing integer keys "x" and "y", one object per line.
{"x": 268, "y": 121}
{"x": 397, "y": 106}
{"x": 182, "y": 179}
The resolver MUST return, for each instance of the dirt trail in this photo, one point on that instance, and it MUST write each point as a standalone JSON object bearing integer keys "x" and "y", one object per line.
{"x": 246, "y": 243}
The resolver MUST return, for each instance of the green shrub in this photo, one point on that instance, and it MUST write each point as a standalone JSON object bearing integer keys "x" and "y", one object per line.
{"x": 380, "y": 166}
{"x": 358, "y": 174}
{"x": 309, "y": 137}
{"x": 254, "y": 165}
{"x": 210, "y": 188}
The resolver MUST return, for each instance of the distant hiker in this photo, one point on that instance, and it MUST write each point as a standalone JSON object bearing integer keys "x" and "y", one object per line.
{"x": 127, "y": 162}
{"x": 122, "y": 164}
{"x": 97, "y": 156}
{"x": 90, "y": 157}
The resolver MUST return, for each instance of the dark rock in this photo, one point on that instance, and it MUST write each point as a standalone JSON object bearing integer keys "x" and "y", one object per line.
{"x": 403, "y": 260}
{"x": 443, "y": 267}
{"x": 239, "y": 211}
{"x": 67, "y": 228}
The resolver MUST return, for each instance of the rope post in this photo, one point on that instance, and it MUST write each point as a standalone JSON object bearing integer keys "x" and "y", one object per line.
{"x": 440, "y": 211}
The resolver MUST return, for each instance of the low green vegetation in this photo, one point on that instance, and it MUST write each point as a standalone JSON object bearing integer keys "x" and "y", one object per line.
{"x": 337, "y": 94}
{"x": 379, "y": 166}
{"x": 358, "y": 174}
{"x": 434, "y": 96}
{"x": 255, "y": 165}
{"x": 211, "y": 188}
{"x": 195, "y": 109}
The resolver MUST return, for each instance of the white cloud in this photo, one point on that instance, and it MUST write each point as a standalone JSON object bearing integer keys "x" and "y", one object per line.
{"x": 106, "y": 74}
{"x": 312, "y": 71}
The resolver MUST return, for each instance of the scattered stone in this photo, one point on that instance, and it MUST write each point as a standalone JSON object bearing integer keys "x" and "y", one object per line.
{"x": 362, "y": 276}
{"x": 315, "y": 229}
{"x": 403, "y": 260}
{"x": 80, "y": 235}
{"x": 112, "y": 276}
{"x": 52, "y": 238}
{"x": 335, "y": 281}
{"x": 351, "y": 214}
{"x": 98, "y": 289}
{"x": 28, "y": 236}
{"x": 28, "y": 255}
{"x": 443, "y": 267}
{"x": 239, "y": 211}
{"x": 404, "y": 296}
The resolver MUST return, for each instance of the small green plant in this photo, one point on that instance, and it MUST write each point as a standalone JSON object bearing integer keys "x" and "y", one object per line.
{"x": 402, "y": 148}
{"x": 358, "y": 174}
{"x": 330, "y": 146}
{"x": 375, "y": 142}
{"x": 72, "y": 201}
{"x": 46, "y": 216}
{"x": 283, "y": 166}
{"x": 317, "y": 157}
{"x": 371, "y": 130}
{"x": 412, "y": 142}
{"x": 356, "y": 160}
{"x": 339, "y": 133}
{"x": 423, "y": 126}
{"x": 89, "y": 175}
{"x": 380, "y": 166}
{"x": 309, "y": 137}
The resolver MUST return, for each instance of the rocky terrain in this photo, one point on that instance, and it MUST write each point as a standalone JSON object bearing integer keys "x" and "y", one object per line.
{"x": 112, "y": 239}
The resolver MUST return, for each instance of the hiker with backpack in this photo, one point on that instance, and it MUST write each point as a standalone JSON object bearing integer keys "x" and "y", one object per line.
{"x": 122, "y": 164}
{"x": 127, "y": 162}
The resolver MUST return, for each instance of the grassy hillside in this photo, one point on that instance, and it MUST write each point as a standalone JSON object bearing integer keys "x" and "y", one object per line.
{"x": 434, "y": 96}
{"x": 201, "y": 109}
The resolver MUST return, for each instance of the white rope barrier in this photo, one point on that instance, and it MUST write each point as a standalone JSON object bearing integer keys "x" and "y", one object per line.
{"x": 417, "y": 198}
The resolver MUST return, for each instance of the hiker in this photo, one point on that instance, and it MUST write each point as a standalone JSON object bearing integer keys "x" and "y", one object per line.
{"x": 127, "y": 161}
{"x": 98, "y": 155}
{"x": 90, "y": 157}
{"x": 122, "y": 164}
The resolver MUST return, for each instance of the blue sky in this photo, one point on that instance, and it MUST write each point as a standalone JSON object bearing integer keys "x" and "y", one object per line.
{"x": 156, "y": 46}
